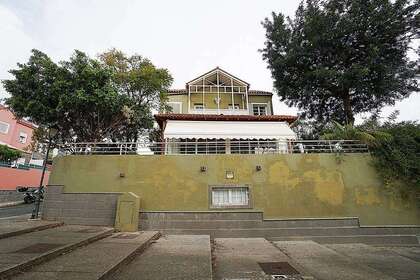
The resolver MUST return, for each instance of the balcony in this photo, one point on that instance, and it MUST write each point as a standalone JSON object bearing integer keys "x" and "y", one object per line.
{"x": 220, "y": 111}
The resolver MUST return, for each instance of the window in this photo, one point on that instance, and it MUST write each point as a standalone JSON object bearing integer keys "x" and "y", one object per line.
{"x": 4, "y": 127}
{"x": 259, "y": 109}
{"x": 229, "y": 197}
{"x": 198, "y": 106}
{"x": 236, "y": 106}
{"x": 176, "y": 107}
{"x": 23, "y": 137}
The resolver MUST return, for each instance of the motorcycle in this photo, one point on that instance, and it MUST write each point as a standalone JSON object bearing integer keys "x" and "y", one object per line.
{"x": 31, "y": 194}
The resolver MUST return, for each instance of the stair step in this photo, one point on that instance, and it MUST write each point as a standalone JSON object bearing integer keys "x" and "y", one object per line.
{"x": 21, "y": 252}
{"x": 291, "y": 232}
{"x": 95, "y": 261}
{"x": 14, "y": 228}
{"x": 325, "y": 263}
{"x": 201, "y": 215}
{"x": 395, "y": 240}
{"x": 171, "y": 257}
{"x": 158, "y": 224}
{"x": 381, "y": 259}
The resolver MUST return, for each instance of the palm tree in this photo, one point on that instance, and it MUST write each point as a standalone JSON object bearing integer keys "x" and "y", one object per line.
{"x": 370, "y": 137}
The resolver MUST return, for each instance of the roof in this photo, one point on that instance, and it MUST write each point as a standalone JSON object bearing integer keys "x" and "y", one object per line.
{"x": 221, "y": 70}
{"x": 161, "y": 118}
{"x": 250, "y": 92}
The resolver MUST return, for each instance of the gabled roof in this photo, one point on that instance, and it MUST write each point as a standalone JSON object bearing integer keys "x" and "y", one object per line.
{"x": 221, "y": 71}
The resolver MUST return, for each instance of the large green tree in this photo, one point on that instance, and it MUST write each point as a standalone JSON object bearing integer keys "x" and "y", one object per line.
{"x": 145, "y": 84}
{"x": 81, "y": 97}
{"x": 338, "y": 58}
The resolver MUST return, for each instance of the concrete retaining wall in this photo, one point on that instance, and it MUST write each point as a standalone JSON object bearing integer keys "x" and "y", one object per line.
{"x": 8, "y": 196}
{"x": 286, "y": 186}
{"x": 79, "y": 208}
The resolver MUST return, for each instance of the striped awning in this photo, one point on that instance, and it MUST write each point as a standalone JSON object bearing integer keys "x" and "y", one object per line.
{"x": 227, "y": 130}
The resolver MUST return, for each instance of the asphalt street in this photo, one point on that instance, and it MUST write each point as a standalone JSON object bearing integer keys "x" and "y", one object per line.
{"x": 17, "y": 210}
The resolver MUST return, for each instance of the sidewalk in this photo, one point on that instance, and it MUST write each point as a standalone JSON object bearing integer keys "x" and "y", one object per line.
{"x": 10, "y": 203}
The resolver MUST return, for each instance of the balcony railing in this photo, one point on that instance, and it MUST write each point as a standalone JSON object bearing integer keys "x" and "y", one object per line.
{"x": 220, "y": 111}
{"x": 207, "y": 147}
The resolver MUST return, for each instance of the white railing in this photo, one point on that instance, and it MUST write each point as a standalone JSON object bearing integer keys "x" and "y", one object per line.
{"x": 206, "y": 147}
{"x": 220, "y": 111}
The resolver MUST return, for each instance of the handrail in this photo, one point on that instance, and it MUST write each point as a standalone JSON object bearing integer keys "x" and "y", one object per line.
{"x": 214, "y": 146}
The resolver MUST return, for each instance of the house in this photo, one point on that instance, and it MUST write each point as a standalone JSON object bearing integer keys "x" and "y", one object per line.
{"x": 14, "y": 132}
{"x": 218, "y": 113}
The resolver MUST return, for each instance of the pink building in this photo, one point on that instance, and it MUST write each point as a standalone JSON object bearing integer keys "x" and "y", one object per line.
{"x": 15, "y": 133}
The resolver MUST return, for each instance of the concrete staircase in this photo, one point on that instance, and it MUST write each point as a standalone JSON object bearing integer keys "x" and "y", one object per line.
{"x": 252, "y": 224}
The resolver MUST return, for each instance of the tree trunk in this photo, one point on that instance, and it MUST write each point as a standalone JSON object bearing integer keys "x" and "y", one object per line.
{"x": 348, "y": 112}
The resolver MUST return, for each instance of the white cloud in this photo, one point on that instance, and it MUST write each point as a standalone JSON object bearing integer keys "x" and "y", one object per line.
{"x": 15, "y": 45}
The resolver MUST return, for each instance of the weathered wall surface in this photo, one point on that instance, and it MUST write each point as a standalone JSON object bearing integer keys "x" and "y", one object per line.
{"x": 288, "y": 186}
{"x": 79, "y": 208}
{"x": 10, "y": 178}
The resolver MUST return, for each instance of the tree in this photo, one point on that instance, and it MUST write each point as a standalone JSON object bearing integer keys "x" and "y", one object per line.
{"x": 338, "y": 58}
{"x": 145, "y": 85}
{"x": 83, "y": 97}
{"x": 7, "y": 154}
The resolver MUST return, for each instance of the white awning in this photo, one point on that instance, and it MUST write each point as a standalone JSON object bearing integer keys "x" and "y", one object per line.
{"x": 227, "y": 130}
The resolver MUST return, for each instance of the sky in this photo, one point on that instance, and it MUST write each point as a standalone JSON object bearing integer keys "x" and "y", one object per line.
{"x": 185, "y": 36}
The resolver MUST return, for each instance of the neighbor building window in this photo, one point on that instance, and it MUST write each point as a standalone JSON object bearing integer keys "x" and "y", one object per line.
{"x": 229, "y": 197}
{"x": 176, "y": 107}
{"x": 23, "y": 137}
{"x": 198, "y": 106}
{"x": 4, "y": 127}
{"x": 259, "y": 109}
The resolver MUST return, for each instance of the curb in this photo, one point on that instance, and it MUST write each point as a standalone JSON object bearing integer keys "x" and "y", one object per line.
{"x": 11, "y": 203}
{"x": 27, "y": 230}
{"x": 130, "y": 257}
{"x": 6, "y": 274}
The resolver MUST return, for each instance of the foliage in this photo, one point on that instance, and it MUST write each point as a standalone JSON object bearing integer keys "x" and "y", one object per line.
{"x": 349, "y": 132}
{"x": 7, "y": 154}
{"x": 145, "y": 85}
{"x": 84, "y": 98}
{"x": 395, "y": 147}
{"x": 399, "y": 158}
{"x": 338, "y": 58}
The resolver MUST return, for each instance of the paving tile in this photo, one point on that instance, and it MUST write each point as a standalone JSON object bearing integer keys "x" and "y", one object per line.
{"x": 325, "y": 263}
{"x": 172, "y": 257}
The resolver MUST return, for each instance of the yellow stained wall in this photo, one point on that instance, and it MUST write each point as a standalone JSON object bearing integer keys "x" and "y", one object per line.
{"x": 288, "y": 186}
{"x": 226, "y": 99}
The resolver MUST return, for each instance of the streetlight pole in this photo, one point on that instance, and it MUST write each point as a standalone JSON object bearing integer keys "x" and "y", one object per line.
{"x": 35, "y": 212}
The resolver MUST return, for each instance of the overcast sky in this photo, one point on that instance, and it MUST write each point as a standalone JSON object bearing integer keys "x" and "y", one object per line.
{"x": 187, "y": 37}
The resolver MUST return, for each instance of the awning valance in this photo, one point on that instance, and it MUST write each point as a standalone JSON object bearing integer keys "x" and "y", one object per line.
{"x": 227, "y": 130}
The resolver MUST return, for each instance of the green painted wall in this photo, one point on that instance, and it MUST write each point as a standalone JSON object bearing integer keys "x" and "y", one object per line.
{"x": 288, "y": 186}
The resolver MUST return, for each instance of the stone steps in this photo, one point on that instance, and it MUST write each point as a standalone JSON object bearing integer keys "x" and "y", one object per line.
{"x": 96, "y": 261}
{"x": 296, "y": 232}
{"x": 389, "y": 240}
{"x": 163, "y": 224}
{"x": 22, "y": 252}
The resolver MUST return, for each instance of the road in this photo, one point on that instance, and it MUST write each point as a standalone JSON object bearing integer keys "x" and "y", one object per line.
{"x": 17, "y": 210}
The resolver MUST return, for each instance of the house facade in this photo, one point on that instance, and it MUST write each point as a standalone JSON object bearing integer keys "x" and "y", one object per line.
{"x": 218, "y": 113}
{"x": 14, "y": 132}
